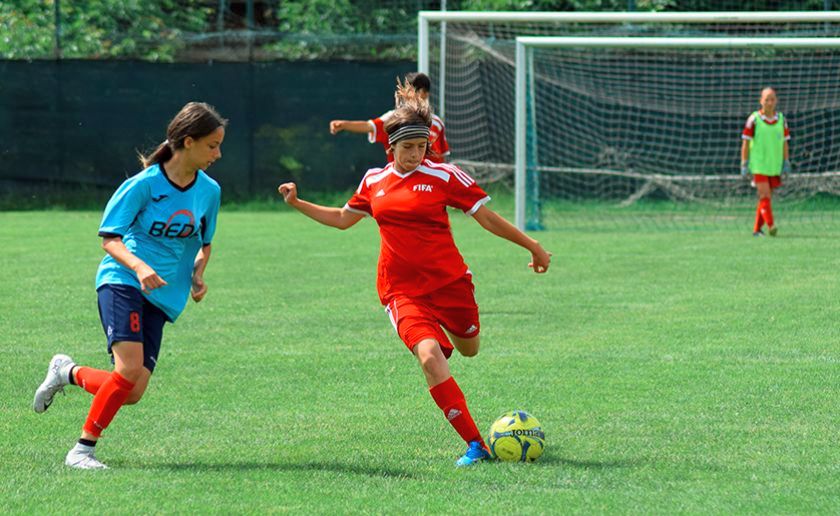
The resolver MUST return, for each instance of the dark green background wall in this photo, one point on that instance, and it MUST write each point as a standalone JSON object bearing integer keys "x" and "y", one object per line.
{"x": 79, "y": 123}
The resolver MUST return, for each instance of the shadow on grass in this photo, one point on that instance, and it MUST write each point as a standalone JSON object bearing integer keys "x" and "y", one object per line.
{"x": 333, "y": 467}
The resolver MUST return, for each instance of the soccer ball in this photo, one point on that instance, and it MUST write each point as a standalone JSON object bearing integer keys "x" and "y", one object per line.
{"x": 516, "y": 436}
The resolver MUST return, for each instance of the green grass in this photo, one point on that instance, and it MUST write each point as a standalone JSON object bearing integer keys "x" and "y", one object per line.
{"x": 673, "y": 372}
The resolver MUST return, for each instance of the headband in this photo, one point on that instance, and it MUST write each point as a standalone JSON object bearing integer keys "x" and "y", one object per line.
{"x": 408, "y": 131}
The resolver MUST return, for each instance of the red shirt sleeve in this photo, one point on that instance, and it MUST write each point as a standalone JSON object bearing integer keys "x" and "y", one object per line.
{"x": 749, "y": 128}
{"x": 787, "y": 130}
{"x": 437, "y": 140}
{"x": 441, "y": 146}
{"x": 360, "y": 201}
{"x": 463, "y": 192}
{"x": 377, "y": 132}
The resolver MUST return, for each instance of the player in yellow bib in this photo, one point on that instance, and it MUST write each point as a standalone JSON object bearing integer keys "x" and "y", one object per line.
{"x": 765, "y": 155}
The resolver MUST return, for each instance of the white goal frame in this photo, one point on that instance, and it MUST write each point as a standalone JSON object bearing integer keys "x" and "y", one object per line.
{"x": 425, "y": 18}
{"x": 524, "y": 63}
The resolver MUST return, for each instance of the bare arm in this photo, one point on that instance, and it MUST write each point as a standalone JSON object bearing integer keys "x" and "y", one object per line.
{"x": 199, "y": 289}
{"x": 340, "y": 218}
{"x": 149, "y": 279}
{"x": 351, "y": 126}
{"x": 745, "y": 150}
{"x": 786, "y": 155}
{"x": 496, "y": 224}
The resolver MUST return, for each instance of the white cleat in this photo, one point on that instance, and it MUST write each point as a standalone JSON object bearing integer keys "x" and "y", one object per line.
{"x": 81, "y": 460}
{"x": 58, "y": 375}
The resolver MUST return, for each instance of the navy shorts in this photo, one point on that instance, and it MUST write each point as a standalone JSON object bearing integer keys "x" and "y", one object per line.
{"x": 128, "y": 316}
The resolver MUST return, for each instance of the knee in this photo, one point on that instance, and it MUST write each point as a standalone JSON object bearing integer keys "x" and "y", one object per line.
{"x": 429, "y": 360}
{"x": 135, "y": 395}
{"x": 469, "y": 352}
{"x": 132, "y": 373}
{"x": 467, "y": 347}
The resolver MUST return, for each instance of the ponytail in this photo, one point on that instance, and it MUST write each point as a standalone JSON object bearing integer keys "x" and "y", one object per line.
{"x": 162, "y": 153}
{"x": 195, "y": 120}
{"x": 409, "y": 109}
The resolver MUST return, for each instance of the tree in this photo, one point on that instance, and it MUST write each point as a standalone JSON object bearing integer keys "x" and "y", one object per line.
{"x": 143, "y": 29}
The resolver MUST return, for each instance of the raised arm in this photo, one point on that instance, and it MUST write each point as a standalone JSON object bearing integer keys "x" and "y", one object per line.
{"x": 340, "y": 218}
{"x": 351, "y": 126}
{"x": 496, "y": 224}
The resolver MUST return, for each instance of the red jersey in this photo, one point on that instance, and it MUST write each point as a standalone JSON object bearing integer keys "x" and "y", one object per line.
{"x": 418, "y": 254}
{"x": 437, "y": 137}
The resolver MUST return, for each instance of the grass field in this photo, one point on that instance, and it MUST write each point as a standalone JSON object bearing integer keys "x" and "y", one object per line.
{"x": 673, "y": 372}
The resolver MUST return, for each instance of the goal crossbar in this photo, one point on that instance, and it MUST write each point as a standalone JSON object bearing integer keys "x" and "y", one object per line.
{"x": 424, "y": 18}
{"x": 629, "y": 42}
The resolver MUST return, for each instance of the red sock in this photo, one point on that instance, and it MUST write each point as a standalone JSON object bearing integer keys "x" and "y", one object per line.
{"x": 107, "y": 401}
{"x": 91, "y": 379}
{"x": 767, "y": 212}
{"x": 759, "y": 220}
{"x": 450, "y": 399}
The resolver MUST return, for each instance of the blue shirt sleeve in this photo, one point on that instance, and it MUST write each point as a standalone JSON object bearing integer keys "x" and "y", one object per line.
{"x": 209, "y": 226}
{"x": 122, "y": 209}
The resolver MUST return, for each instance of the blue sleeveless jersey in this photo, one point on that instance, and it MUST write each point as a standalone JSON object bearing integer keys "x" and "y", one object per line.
{"x": 165, "y": 226}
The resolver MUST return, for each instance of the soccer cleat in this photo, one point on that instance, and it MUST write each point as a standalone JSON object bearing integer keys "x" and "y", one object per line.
{"x": 773, "y": 231}
{"x": 758, "y": 233}
{"x": 476, "y": 452}
{"x": 79, "y": 459}
{"x": 58, "y": 375}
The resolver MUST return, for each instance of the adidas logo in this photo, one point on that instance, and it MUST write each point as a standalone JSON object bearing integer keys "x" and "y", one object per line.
{"x": 452, "y": 414}
{"x": 380, "y": 193}
{"x": 472, "y": 328}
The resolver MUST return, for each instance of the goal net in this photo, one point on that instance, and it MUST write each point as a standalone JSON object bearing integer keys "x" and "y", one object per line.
{"x": 471, "y": 59}
{"x": 650, "y": 128}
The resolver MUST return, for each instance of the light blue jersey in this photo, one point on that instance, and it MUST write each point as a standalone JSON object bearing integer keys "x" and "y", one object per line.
{"x": 165, "y": 226}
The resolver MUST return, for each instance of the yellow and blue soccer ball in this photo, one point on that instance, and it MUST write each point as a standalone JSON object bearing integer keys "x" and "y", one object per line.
{"x": 516, "y": 436}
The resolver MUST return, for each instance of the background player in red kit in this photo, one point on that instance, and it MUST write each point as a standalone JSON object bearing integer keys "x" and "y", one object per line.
{"x": 422, "y": 279}
{"x": 765, "y": 154}
{"x": 375, "y": 127}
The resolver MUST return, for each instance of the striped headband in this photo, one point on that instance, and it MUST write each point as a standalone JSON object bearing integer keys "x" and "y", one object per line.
{"x": 408, "y": 131}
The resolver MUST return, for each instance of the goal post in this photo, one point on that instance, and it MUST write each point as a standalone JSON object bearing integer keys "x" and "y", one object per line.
{"x": 634, "y": 87}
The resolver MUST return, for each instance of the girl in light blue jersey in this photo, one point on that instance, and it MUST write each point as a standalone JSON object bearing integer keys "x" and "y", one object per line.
{"x": 156, "y": 231}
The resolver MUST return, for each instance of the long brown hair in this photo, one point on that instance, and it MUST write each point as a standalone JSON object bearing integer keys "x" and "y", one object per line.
{"x": 409, "y": 108}
{"x": 195, "y": 120}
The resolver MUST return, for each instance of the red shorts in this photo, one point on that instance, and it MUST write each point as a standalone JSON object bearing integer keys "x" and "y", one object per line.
{"x": 775, "y": 181}
{"x": 452, "y": 307}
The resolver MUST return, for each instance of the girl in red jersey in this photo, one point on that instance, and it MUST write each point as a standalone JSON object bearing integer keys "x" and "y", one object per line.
{"x": 422, "y": 279}
{"x": 375, "y": 127}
